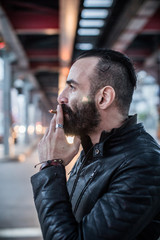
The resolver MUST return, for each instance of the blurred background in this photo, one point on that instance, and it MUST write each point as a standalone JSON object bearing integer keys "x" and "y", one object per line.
{"x": 38, "y": 42}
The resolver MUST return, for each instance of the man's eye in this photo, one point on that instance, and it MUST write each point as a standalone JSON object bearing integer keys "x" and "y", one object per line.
{"x": 72, "y": 87}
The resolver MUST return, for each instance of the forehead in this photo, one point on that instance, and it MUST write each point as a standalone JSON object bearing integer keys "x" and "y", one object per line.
{"x": 83, "y": 68}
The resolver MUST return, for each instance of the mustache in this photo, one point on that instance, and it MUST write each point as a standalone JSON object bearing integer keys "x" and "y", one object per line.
{"x": 66, "y": 109}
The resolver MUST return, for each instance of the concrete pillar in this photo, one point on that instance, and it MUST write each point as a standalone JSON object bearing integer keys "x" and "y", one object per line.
{"x": 36, "y": 99}
{"x": 7, "y": 102}
{"x": 26, "y": 91}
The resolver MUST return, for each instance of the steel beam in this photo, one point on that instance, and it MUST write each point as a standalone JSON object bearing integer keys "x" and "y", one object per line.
{"x": 34, "y": 20}
{"x": 135, "y": 16}
{"x": 153, "y": 26}
{"x": 69, "y": 11}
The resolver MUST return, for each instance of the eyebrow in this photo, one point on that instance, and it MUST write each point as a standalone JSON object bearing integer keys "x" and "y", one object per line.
{"x": 72, "y": 81}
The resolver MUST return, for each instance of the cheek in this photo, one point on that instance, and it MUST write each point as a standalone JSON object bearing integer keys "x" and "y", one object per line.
{"x": 74, "y": 104}
{"x": 86, "y": 99}
{"x": 74, "y": 101}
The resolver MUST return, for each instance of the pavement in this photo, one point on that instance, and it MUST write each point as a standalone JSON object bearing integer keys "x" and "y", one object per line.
{"x": 18, "y": 217}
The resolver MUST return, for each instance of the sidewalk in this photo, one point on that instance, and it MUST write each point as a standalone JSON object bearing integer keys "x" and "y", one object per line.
{"x": 18, "y": 217}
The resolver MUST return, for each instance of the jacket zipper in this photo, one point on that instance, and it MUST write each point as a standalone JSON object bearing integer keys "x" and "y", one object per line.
{"x": 76, "y": 180}
{"x": 84, "y": 189}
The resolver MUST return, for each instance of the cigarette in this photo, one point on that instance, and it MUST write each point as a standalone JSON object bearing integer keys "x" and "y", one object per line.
{"x": 52, "y": 111}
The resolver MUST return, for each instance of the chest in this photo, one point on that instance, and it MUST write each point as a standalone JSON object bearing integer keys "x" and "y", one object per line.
{"x": 87, "y": 184}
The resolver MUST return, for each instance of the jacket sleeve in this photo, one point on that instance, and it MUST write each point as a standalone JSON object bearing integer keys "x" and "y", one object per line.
{"x": 53, "y": 205}
{"x": 127, "y": 207}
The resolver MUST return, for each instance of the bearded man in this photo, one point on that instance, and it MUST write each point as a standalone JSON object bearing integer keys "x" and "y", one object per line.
{"x": 113, "y": 191}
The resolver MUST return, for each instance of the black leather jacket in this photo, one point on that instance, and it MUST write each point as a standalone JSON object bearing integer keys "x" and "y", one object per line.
{"x": 114, "y": 190}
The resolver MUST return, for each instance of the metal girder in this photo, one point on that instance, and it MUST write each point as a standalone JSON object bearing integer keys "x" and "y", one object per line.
{"x": 138, "y": 53}
{"x": 69, "y": 11}
{"x": 153, "y": 58}
{"x": 35, "y": 21}
{"x": 153, "y": 25}
{"x": 44, "y": 65}
{"x": 30, "y": 6}
{"x": 135, "y": 16}
{"x": 51, "y": 54}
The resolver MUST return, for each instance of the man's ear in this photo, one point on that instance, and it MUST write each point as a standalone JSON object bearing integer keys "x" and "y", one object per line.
{"x": 105, "y": 97}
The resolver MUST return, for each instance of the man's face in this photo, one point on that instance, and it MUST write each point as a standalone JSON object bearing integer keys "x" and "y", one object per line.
{"x": 80, "y": 113}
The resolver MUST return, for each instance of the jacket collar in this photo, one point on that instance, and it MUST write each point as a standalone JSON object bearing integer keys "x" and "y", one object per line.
{"x": 97, "y": 148}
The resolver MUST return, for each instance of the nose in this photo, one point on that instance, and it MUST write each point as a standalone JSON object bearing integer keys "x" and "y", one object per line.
{"x": 62, "y": 98}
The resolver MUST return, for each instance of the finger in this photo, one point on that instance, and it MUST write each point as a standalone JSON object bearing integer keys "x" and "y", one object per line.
{"x": 59, "y": 119}
{"x": 46, "y": 133}
{"x": 52, "y": 125}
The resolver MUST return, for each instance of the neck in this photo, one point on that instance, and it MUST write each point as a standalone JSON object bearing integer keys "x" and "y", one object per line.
{"x": 109, "y": 121}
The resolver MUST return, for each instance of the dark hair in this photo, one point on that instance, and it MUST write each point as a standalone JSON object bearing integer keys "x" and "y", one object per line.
{"x": 114, "y": 69}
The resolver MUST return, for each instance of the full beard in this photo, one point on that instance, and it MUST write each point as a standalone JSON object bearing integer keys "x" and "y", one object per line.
{"x": 82, "y": 120}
